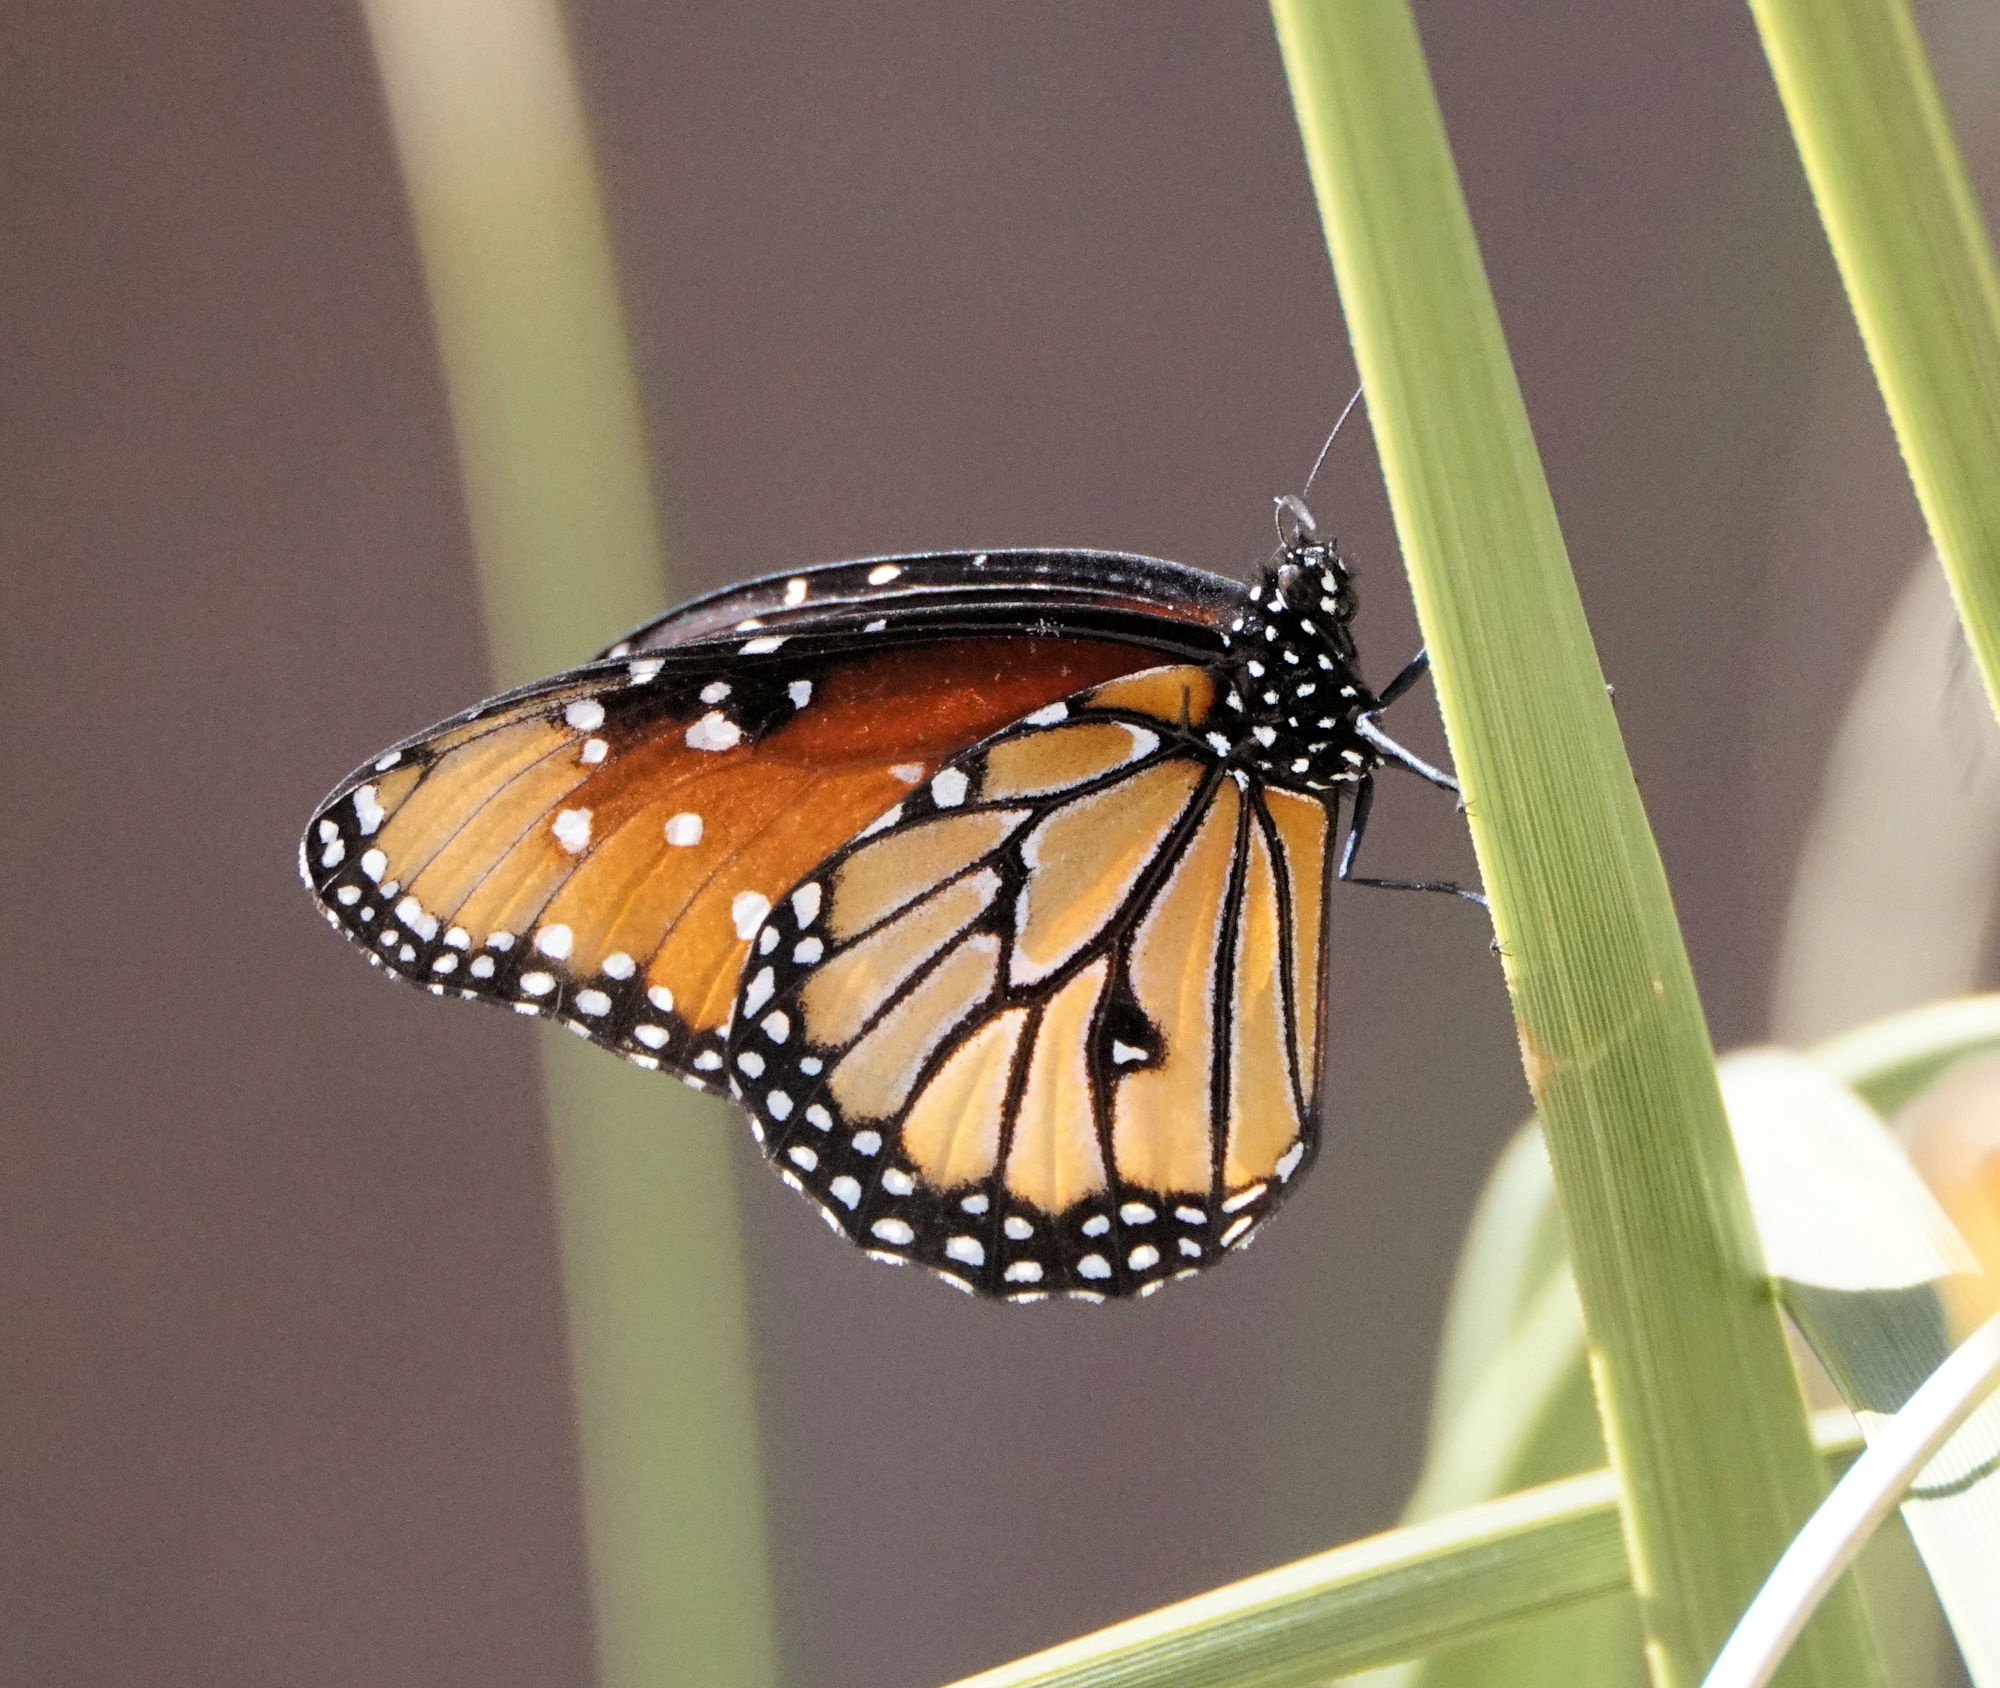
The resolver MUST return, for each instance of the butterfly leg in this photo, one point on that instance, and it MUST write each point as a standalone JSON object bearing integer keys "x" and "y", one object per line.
{"x": 1394, "y": 752}
{"x": 1364, "y": 800}
{"x": 1412, "y": 671}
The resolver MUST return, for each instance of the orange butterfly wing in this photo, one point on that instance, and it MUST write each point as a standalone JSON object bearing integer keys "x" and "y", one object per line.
{"x": 1052, "y": 1025}
{"x": 603, "y": 847}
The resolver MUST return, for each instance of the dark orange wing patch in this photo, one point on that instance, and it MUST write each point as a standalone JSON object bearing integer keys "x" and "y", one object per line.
{"x": 604, "y": 847}
{"x": 1053, "y": 1026}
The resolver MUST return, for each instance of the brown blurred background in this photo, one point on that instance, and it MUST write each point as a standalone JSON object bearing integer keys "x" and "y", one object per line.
{"x": 284, "y": 1391}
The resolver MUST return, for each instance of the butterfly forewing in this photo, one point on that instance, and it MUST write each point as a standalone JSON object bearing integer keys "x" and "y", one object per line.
{"x": 1051, "y": 1023}
{"x": 603, "y": 847}
{"x": 1165, "y": 607}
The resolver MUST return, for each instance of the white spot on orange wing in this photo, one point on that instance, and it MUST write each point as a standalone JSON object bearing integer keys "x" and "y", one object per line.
{"x": 572, "y": 830}
{"x": 949, "y": 788}
{"x": 594, "y": 751}
{"x": 967, "y": 1249}
{"x": 805, "y": 904}
{"x": 747, "y": 910}
{"x": 908, "y": 772}
{"x": 714, "y": 731}
{"x": 555, "y": 941}
{"x": 653, "y": 1037}
{"x": 800, "y": 692}
{"x": 661, "y": 998}
{"x": 846, "y": 1191}
{"x": 374, "y": 864}
{"x": 883, "y": 821}
{"x": 1017, "y": 1229}
{"x": 684, "y": 829}
{"x": 895, "y": 1231}
{"x": 482, "y": 967}
{"x": 348, "y": 895}
{"x": 586, "y": 715}
{"x": 537, "y": 984}
{"x": 1093, "y": 1266}
{"x": 594, "y": 1003}
{"x": 801, "y": 1156}
{"x": 617, "y": 965}
{"x": 367, "y": 809}
{"x": 1143, "y": 1257}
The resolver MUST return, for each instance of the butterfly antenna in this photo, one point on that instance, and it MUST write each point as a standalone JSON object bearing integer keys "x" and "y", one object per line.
{"x": 1347, "y": 410}
{"x": 1295, "y": 517}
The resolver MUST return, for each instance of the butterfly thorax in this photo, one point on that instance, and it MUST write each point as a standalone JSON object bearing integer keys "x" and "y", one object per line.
{"x": 1296, "y": 687}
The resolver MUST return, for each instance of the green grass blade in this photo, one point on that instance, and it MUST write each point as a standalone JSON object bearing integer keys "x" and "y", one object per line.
{"x": 1906, "y": 232}
{"x": 1701, "y": 1408}
{"x": 517, "y": 259}
{"x": 1514, "y": 1408}
{"x": 1371, "y": 1602}
{"x": 1398, "y": 1595}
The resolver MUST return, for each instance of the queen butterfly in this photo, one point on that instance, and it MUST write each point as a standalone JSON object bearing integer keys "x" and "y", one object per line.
{"x": 991, "y": 886}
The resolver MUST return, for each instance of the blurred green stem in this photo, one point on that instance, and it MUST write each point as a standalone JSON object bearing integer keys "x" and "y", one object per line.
{"x": 1918, "y": 267}
{"x": 489, "y": 129}
{"x": 1701, "y": 1408}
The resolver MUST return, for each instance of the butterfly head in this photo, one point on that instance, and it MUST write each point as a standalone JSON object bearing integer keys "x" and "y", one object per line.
{"x": 1292, "y": 652}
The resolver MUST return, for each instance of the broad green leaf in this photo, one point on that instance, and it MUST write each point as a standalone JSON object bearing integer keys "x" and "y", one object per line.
{"x": 1864, "y": 1257}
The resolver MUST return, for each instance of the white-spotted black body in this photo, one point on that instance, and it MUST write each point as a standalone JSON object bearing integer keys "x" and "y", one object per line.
{"x": 1298, "y": 689}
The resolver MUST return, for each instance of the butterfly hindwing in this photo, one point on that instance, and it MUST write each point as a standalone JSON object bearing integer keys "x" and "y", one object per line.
{"x": 1051, "y": 1024}
{"x": 603, "y": 846}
